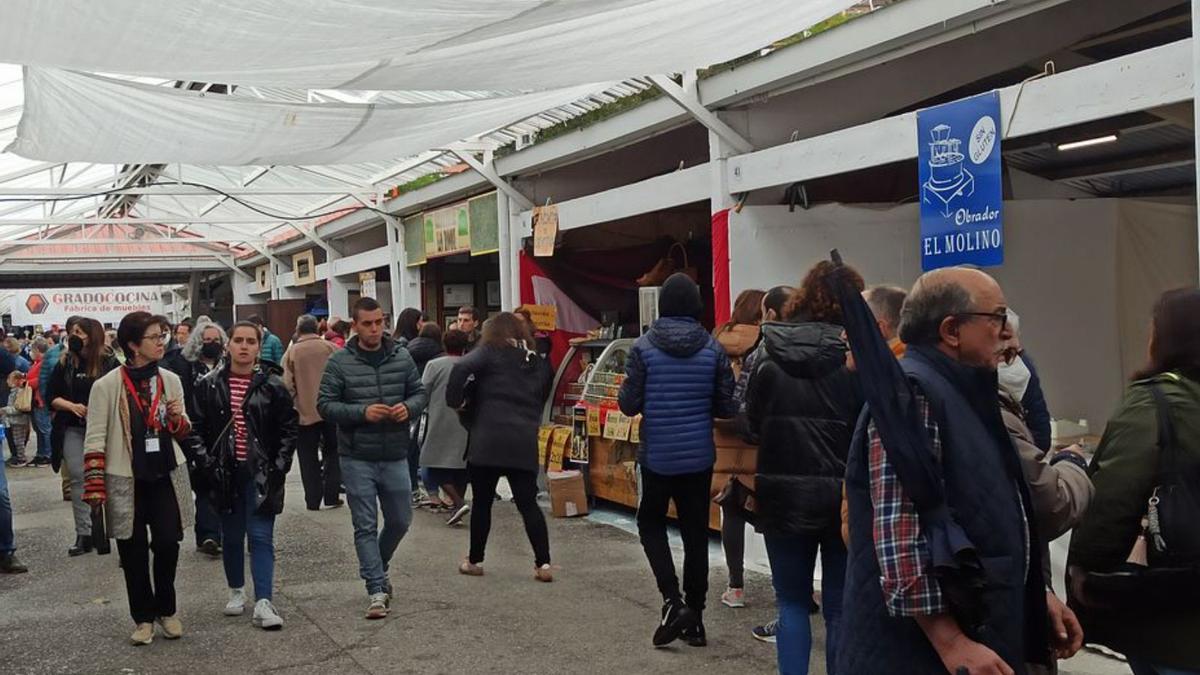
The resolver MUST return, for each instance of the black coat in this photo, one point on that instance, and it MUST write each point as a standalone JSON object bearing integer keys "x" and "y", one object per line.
{"x": 803, "y": 403}
{"x": 502, "y": 391}
{"x": 423, "y": 350}
{"x": 74, "y": 385}
{"x": 271, "y": 424}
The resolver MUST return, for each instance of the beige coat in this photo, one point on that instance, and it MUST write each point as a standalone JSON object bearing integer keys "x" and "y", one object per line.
{"x": 303, "y": 367}
{"x": 108, "y": 432}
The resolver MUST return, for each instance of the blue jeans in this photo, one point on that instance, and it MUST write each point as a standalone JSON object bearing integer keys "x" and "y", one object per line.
{"x": 242, "y": 524}
{"x": 1141, "y": 666}
{"x": 41, "y": 422}
{"x": 7, "y": 545}
{"x": 793, "y": 559}
{"x": 370, "y": 488}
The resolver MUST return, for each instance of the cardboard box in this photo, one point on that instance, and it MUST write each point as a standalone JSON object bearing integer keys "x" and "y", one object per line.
{"x": 568, "y": 498}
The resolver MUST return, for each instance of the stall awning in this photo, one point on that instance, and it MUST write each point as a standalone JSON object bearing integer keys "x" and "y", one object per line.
{"x": 72, "y": 116}
{"x": 385, "y": 44}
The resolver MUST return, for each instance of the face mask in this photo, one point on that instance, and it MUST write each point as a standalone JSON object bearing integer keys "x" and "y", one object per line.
{"x": 1014, "y": 379}
{"x": 75, "y": 344}
{"x": 211, "y": 350}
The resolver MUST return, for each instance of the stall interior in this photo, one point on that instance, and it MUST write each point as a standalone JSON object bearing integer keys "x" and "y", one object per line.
{"x": 603, "y": 271}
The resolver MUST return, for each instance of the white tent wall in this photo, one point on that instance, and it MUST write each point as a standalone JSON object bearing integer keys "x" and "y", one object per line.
{"x": 1082, "y": 274}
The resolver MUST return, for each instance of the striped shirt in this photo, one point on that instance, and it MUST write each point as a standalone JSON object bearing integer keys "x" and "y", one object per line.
{"x": 238, "y": 385}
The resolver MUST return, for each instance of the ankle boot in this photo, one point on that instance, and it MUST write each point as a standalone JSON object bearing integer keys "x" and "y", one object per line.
{"x": 83, "y": 544}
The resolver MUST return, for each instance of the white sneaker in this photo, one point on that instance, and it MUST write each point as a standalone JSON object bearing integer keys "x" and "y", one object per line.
{"x": 733, "y": 597}
{"x": 265, "y": 616}
{"x": 237, "y": 602}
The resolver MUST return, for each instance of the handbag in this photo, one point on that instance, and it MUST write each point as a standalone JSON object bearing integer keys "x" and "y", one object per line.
{"x": 666, "y": 267}
{"x": 23, "y": 401}
{"x": 739, "y": 498}
{"x": 1162, "y": 571}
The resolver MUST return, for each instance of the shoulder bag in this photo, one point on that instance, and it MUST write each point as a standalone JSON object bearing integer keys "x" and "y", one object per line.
{"x": 1162, "y": 571}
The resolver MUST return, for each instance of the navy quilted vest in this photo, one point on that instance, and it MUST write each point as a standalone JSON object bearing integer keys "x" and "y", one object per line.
{"x": 984, "y": 499}
{"x": 677, "y": 425}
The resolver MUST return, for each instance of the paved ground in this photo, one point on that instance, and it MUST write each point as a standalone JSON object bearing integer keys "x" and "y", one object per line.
{"x": 69, "y": 615}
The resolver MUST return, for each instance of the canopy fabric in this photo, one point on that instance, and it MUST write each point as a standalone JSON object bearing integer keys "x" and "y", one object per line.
{"x": 389, "y": 45}
{"x": 77, "y": 117}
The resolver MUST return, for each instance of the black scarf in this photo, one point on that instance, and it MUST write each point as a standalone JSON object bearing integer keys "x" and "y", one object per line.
{"x": 154, "y": 465}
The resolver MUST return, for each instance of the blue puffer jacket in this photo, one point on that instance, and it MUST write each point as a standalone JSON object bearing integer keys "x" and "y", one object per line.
{"x": 678, "y": 377}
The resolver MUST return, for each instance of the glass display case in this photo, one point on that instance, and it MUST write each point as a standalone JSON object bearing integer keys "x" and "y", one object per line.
{"x": 592, "y": 372}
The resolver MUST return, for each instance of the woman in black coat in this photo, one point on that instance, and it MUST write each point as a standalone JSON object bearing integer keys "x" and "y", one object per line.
{"x": 802, "y": 402}
{"x": 499, "y": 389}
{"x": 244, "y": 435}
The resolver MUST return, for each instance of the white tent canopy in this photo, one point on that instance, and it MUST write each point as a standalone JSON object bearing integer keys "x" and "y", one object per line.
{"x": 82, "y": 117}
{"x": 389, "y": 45}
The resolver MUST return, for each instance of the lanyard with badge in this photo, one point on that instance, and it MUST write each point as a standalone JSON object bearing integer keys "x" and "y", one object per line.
{"x": 153, "y": 416}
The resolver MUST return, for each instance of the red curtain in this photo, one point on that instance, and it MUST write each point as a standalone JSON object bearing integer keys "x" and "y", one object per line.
{"x": 722, "y": 305}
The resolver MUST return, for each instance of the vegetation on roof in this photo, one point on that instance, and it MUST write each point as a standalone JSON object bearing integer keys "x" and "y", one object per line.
{"x": 416, "y": 184}
{"x": 630, "y": 102}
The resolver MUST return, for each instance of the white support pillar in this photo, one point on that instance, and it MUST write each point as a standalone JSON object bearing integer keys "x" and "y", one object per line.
{"x": 508, "y": 300}
{"x": 516, "y": 232}
{"x": 242, "y": 285}
{"x": 1196, "y": 126}
{"x": 401, "y": 288}
{"x": 193, "y": 294}
{"x": 339, "y": 299}
{"x": 718, "y": 152}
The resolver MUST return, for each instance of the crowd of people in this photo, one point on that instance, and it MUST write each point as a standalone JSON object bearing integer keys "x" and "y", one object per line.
{"x": 903, "y": 440}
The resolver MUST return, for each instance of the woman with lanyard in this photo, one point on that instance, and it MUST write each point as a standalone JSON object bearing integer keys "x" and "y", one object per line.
{"x": 86, "y": 360}
{"x": 135, "y": 466}
{"x": 244, "y": 427}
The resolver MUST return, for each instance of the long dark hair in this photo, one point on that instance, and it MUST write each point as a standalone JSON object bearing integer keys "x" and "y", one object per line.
{"x": 92, "y": 358}
{"x": 406, "y": 324}
{"x": 505, "y": 326}
{"x": 1175, "y": 344}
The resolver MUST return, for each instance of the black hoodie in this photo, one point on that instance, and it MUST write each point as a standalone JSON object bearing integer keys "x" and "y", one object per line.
{"x": 803, "y": 403}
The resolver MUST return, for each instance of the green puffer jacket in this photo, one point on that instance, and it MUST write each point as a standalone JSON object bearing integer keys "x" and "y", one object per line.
{"x": 1123, "y": 472}
{"x": 351, "y": 383}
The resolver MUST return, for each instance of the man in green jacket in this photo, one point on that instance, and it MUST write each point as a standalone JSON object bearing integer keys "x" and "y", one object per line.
{"x": 371, "y": 389}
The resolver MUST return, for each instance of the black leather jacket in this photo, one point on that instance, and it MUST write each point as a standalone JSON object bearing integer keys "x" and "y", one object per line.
{"x": 272, "y": 424}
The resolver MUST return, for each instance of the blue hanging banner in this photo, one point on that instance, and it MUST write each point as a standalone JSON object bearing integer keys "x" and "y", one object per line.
{"x": 958, "y": 155}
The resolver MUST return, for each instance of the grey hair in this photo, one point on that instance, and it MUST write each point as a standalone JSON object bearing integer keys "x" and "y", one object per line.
{"x": 307, "y": 324}
{"x": 191, "y": 350}
{"x": 931, "y": 301}
{"x": 41, "y": 345}
{"x": 885, "y": 303}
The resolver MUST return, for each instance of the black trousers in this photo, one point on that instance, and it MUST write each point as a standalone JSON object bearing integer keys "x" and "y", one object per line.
{"x": 691, "y": 494}
{"x": 155, "y": 509}
{"x": 319, "y": 469}
{"x": 524, "y": 488}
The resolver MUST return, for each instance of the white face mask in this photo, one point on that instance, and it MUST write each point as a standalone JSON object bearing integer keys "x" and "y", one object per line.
{"x": 1014, "y": 379}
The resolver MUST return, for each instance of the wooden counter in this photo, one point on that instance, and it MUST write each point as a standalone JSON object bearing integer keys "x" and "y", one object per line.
{"x": 613, "y": 479}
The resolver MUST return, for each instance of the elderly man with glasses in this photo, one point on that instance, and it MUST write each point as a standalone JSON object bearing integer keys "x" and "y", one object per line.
{"x": 955, "y": 323}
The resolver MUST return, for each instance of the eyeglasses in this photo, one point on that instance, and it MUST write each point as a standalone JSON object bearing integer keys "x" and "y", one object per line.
{"x": 1010, "y": 355}
{"x": 1001, "y": 316}
{"x": 160, "y": 338}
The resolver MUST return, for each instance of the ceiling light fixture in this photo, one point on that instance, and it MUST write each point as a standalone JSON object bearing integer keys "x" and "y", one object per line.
{"x": 1087, "y": 143}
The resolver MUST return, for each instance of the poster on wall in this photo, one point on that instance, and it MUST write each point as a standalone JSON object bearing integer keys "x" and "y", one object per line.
{"x": 958, "y": 157}
{"x": 447, "y": 231}
{"x": 47, "y": 307}
{"x": 366, "y": 282}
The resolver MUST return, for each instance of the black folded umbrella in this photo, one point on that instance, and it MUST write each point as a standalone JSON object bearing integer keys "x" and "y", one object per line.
{"x": 893, "y": 408}
{"x": 99, "y": 532}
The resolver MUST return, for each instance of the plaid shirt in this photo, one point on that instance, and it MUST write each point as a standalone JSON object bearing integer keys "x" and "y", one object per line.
{"x": 903, "y": 554}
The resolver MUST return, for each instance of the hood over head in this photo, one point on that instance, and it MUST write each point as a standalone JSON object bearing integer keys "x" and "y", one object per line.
{"x": 809, "y": 350}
